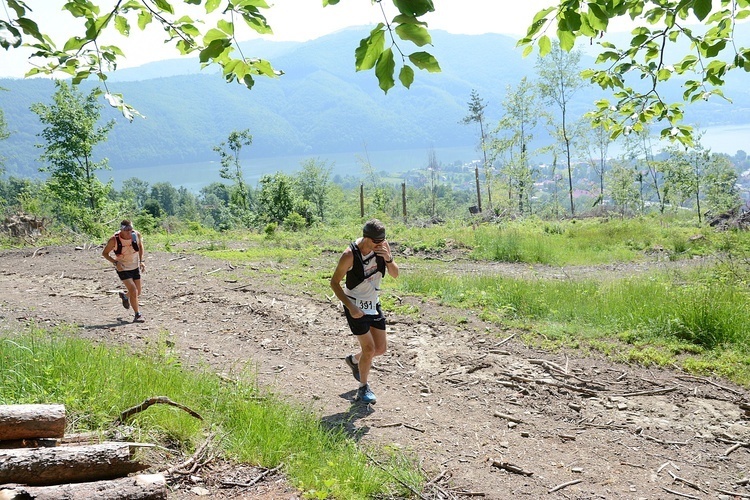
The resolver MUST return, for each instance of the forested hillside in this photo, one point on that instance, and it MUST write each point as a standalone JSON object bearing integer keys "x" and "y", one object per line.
{"x": 320, "y": 105}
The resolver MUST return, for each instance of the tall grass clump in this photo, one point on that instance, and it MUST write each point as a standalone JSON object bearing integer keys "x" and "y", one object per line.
{"x": 578, "y": 242}
{"x": 96, "y": 383}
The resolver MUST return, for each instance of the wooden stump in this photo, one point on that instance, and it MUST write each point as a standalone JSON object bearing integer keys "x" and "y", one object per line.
{"x": 140, "y": 487}
{"x": 67, "y": 464}
{"x": 31, "y": 421}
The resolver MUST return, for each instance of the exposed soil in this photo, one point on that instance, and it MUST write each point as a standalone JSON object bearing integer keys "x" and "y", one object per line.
{"x": 484, "y": 413}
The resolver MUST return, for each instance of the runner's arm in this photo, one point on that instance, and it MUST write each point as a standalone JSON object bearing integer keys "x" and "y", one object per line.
{"x": 345, "y": 263}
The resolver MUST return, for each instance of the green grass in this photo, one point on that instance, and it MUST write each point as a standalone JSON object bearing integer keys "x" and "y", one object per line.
{"x": 695, "y": 313}
{"x": 96, "y": 383}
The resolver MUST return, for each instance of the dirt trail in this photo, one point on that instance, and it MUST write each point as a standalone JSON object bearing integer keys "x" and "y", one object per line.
{"x": 484, "y": 416}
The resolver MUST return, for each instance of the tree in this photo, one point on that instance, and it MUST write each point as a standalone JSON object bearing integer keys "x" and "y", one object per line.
{"x": 433, "y": 167}
{"x": 622, "y": 188}
{"x": 313, "y": 183}
{"x": 595, "y": 142}
{"x": 476, "y": 115}
{"x": 71, "y": 133}
{"x": 512, "y": 137}
{"x": 559, "y": 81}
{"x": 276, "y": 197}
{"x": 4, "y": 133}
{"x": 661, "y": 27}
{"x": 231, "y": 167}
{"x": 135, "y": 190}
{"x": 83, "y": 55}
{"x": 695, "y": 173}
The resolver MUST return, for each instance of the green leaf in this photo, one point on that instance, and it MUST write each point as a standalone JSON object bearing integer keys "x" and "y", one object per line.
{"x": 14, "y": 40}
{"x": 29, "y": 27}
{"x": 597, "y": 18}
{"x": 369, "y": 50}
{"x": 406, "y": 76}
{"x": 567, "y": 40}
{"x": 74, "y": 43}
{"x": 212, "y": 5}
{"x": 414, "y": 8}
{"x": 545, "y": 45}
{"x": 414, "y": 33}
{"x": 226, "y": 26}
{"x": 425, "y": 60}
{"x": 213, "y": 34}
{"x": 404, "y": 19}
{"x": 701, "y": 8}
{"x": 121, "y": 24}
{"x": 144, "y": 19}
{"x": 384, "y": 70}
{"x": 527, "y": 50}
{"x": 213, "y": 50}
{"x": 164, "y": 5}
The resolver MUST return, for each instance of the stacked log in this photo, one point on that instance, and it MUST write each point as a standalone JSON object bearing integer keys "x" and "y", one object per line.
{"x": 35, "y": 461}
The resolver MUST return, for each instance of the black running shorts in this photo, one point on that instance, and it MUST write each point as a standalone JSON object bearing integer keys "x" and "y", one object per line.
{"x": 134, "y": 275}
{"x": 360, "y": 326}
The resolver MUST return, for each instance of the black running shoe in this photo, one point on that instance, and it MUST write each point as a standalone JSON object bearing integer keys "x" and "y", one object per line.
{"x": 138, "y": 318}
{"x": 125, "y": 300}
{"x": 354, "y": 366}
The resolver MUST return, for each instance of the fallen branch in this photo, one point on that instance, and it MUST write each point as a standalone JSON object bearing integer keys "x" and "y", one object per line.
{"x": 564, "y": 485}
{"x": 511, "y": 468}
{"x": 152, "y": 401}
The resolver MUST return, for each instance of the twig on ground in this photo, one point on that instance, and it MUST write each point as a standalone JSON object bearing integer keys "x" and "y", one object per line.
{"x": 256, "y": 480}
{"x": 661, "y": 441}
{"x": 506, "y": 339}
{"x": 564, "y": 485}
{"x": 685, "y": 481}
{"x": 733, "y": 493}
{"x": 645, "y": 393}
{"x": 708, "y": 381}
{"x": 736, "y": 446}
{"x": 679, "y": 494}
{"x": 190, "y": 461}
{"x": 511, "y": 468}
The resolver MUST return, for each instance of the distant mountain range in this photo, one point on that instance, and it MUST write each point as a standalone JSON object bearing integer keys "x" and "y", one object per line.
{"x": 319, "y": 106}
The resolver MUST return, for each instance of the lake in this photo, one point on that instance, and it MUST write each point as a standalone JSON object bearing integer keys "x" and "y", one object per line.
{"x": 193, "y": 176}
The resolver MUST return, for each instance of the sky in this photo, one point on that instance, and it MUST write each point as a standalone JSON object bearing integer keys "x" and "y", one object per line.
{"x": 291, "y": 20}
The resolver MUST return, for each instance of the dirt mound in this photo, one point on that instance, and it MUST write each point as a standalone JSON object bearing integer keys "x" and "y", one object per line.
{"x": 484, "y": 413}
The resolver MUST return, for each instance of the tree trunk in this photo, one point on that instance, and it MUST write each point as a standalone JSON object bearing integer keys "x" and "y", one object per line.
{"x": 140, "y": 487}
{"x": 67, "y": 464}
{"x": 31, "y": 421}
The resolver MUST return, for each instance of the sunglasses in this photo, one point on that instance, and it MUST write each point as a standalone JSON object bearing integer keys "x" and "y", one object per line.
{"x": 377, "y": 241}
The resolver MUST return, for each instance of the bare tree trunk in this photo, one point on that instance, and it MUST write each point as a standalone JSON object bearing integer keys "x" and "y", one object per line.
{"x": 140, "y": 487}
{"x": 67, "y": 464}
{"x": 31, "y": 421}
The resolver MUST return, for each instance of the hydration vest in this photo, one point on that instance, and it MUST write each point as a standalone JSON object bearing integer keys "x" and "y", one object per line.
{"x": 356, "y": 274}
{"x": 118, "y": 248}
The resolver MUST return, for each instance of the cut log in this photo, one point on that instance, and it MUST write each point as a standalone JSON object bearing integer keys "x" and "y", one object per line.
{"x": 140, "y": 487}
{"x": 31, "y": 421}
{"x": 67, "y": 464}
